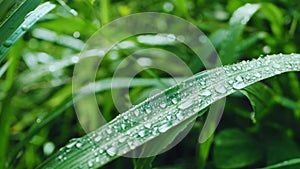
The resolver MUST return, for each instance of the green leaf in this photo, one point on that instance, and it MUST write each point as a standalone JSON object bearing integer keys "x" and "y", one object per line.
{"x": 16, "y": 17}
{"x": 283, "y": 164}
{"x": 67, "y": 102}
{"x": 238, "y": 21}
{"x": 143, "y": 163}
{"x": 23, "y": 27}
{"x": 260, "y": 97}
{"x": 204, "y": 150}
{"x": 235, "y": 149}
{"x": 280, "y": 148}
{"x": 183, "y": 102}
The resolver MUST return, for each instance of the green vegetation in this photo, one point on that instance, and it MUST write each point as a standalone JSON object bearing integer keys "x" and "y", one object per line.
{"x": 40, "y": 43}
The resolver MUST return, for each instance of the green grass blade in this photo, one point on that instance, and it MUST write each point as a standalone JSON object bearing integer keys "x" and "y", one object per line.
{"x": 284, "y": 164}
{"x": 15, "y": 17}
{"x": 184, "y": 101}
{"x": 4, "y": 68}
{"x": 238, "y": 21}
{"x": 100, "y": 86}
{"x": 29, "y": 21}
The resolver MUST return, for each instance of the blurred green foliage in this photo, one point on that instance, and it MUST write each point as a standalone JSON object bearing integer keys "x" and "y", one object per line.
{"x": 260, "y": 125}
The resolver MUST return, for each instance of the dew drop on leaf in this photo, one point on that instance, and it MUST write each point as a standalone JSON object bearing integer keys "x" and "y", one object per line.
{"x": 239, "y": 85}
{"x": 98, "y": 138}
{"x": 205, "y": 93}
{"x": 174, "y": 101}
{"x": 90, "y": 163}
{"x": 186, "y": 104}
{"x": 78, "y": 145}
{"x": 24, "y": 27}
{"x": 148, "y": 125}
{"x": 8, "y": 43}
{"x": 163, "y": 128}
{"x": 142, "y": 133}
{"x": 220, "y": 89}
{"x": 111, "y": 151}
{"x": 163, "y": 105}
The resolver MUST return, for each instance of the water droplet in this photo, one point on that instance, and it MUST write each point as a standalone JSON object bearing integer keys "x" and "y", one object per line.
{"x": 239, "y": 78}
{"x": 24, "y": 27}
{"x": 71, "y": 144}
{"x": 75, "y": 59}
{"x": 277, "y": 72}
{"x": 38, "y": 120}
{"x": 8, "y": 43}
{"x": 174, "y": 101}
{"x": 111, "y": 151}
{"x": 136, "y": 113}
{"x": 148, "y": 110}
{"x": 122, "y": 139}
{"x": 78, "y": 145}
{"x": 220, "y": 89}
{"x": 185, "y": 104}
{"x": 163, "y": 105}
{"x": 239, "y": 85}
{"x": 148, "y": 125}
{"x": 205, "y": 93}
{"x": 141, "y": 133}
{"x": 168, "y": 6}
{"x": 197, "y": 109}
{"x": 97, "y": 159}
{"x": 123, "y": 126}
{"x": 98, "y": 138}
{"x": 131, "y": 145}
{"x": 90, "y": 163}
{"x": 257, "y": 75}
{"x": 202, "y": 83}
{"x": 163, "y": 128}
{"x": 76, "y": 34}
{"x": 52, "y": 68}
{"x": 60, "y": 157}
{"x": 109, "y": 131}
{"x": 180, "y": 116}
{"x": 276, "y": 66}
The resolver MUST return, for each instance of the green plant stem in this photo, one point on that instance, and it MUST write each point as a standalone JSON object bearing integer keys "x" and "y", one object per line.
{"x": 6, "y": 107}
{"x": 104, "y": 11}
{"x": 5, "y": 122}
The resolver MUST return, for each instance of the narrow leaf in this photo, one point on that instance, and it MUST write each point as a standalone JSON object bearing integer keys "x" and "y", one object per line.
{"x": 29, "y": 21}
{"x": 238, "y": 21}
{"x": 183, "y": 102}
{"x": 284, "y": 164}
{"x": 15, "y": 17}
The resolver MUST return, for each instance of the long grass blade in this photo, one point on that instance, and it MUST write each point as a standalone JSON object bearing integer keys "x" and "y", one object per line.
{"x": 16, "y": 16}
{"x": 23, "y": 27}
{"x": 284, "y": 164}
{"x": 155, "y": 117}
{"x": 237, "y": 23}
{"x": 100, "y": 86}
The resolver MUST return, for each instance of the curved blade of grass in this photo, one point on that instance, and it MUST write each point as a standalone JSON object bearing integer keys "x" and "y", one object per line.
{"x": 29, "y": 21}
{"x": 237, "y": 23}
{"x": 100, "y": 86}
{"x": 284, "y": 164}
{"x": 15, "y": 16}
{"x": 184, "y": 100}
